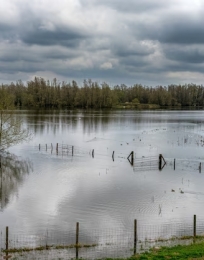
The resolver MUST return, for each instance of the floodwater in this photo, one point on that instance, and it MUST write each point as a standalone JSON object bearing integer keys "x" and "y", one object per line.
{"x": 47, "y": 190}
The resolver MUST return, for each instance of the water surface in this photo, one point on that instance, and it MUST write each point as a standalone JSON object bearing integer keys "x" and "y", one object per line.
{"x": 52, "y": 191}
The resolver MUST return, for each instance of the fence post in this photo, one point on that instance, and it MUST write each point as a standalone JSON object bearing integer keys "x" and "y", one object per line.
{"x": 39, "y": 147}
{"x": 160, "y": 162}
{"x": 194, "y": 226}
{"x": 7, "y": 238}
{"x": 57, "y": 147}
{"x": 93, "y": 153}
{"x": 135, "y": 236}
{"x": 132, "y": 158}
{"x": 174, "y": 164}
{"x": 200, "y": 167}
{"x": 77, "y": 240}
{"x": 113, "y": 155}
{"x": 72, "y": 150}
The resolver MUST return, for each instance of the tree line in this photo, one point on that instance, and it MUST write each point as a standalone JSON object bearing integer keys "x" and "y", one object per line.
{"x": 39, "y": 93}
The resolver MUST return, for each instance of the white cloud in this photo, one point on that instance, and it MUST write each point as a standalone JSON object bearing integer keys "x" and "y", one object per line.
{"x": 106, "y": 66}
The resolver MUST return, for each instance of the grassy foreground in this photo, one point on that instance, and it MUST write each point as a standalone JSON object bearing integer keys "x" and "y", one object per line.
{"x": 194, "y": 251}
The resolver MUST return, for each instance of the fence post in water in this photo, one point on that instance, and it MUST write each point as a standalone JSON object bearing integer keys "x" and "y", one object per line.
{"x": 113, "y": 155}
{"x": 93, "y": 153}
{"x": 194, "y": 226}
{"x": 135, "y": 236}
{"x": 57, "y": 147}
{"x": 132, "y": 158}
{"x": 39, "y": 147}
{"x": 200, "y": 167}
{"x": 77, "y": 240}
{"x": 72, "y": 150}
{"x": 160, "y": 161}
{"x": 174, "y": 164}
{"x": 7, "y": 238}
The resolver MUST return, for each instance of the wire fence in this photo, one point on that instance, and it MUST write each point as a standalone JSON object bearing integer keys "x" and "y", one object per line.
{"x": 66, "y": 150}
{"x": 101, "y": 243}
{"x": 152, "y": 163}
{"x": 144, "y": 163}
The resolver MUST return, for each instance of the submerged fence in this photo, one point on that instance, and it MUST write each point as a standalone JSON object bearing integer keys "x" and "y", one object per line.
{"x": 102, "y": 243}
{"x": 144, "y": 163}
{"x": 155, "y": 162}
{"x": 72, "y": 150}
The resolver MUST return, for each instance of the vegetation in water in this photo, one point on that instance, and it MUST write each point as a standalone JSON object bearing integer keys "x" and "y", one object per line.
{"x": 47, "y": 247}
{"x": 11, "y": 130}
{"x": 195, "y": 250}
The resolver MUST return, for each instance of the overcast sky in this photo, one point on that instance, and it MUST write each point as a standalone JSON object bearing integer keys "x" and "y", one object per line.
{"x": 117, "y": 41}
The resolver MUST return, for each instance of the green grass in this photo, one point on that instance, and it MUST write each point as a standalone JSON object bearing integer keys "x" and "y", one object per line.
{"x": 194, "y": 251}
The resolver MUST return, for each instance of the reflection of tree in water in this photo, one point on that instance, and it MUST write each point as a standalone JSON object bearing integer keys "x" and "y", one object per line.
{"x": 13, "y": 170}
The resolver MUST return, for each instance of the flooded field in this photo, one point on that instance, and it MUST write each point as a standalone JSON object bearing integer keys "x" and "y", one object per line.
{"x": 48, "y": 190}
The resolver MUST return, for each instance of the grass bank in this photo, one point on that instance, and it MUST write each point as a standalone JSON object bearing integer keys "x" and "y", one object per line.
{"x": 194, "y": 251}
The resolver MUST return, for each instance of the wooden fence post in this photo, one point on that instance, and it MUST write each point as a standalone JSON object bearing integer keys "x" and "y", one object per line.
{"x": 174, "y": 164}
{"x": 160, "y": 162}
{"x": 135, "y": 236}
{"x": 39, "y": 147}
{"x": 200, "y": 167}
{"x": 132, "y": 158}
{"x": 7, "y": 238}
{"x": 72, "y": 150}
{"x": 194, "y": 226}
{"x": 77, "y": 240}
{"x": 93, "y": 153}
{"x": 113, "y": 155}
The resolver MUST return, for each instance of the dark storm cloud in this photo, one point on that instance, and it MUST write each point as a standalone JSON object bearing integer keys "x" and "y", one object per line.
{"x": 183, "y": 67}
{"x": 186, "y": 54}
{"x": 189, "y": 33}
{"x": 173, "y": 28}
{"x": 22, "y": 67}
{"x": 8, "y": 33}
{"x": 65, "y": 37}
{"x": 4, "y": 29}
{"x": 135, "y": 50}
{"x": 136, "y": 62}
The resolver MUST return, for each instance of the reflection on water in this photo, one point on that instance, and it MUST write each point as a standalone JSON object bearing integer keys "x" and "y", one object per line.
{"x": 55, "y": 121}
{"x": 13, "y": 170}
{"x": 96, "y": 120}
